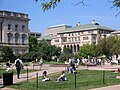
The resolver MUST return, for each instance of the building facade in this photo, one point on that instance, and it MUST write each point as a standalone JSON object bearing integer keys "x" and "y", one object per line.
{"x": 14, "y": 31}
{"x": 55, "y": 29}
{"x": 77, "y": 36}
{"x": 35, "y": 34}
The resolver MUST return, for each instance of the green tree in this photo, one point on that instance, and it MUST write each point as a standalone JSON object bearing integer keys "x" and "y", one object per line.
{"x": 7, "y": 54}
{"x": 47, "y": 51}
{"x": 110, "y": 46}
{"x": 32, "y": 43}
{"x": 67, "y": 53}
{"x": 86, "y": 51}
{"x": 48, "y": 4}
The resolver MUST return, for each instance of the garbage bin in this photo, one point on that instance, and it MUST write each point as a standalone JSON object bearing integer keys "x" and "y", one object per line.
{"x": 7, "y": 79}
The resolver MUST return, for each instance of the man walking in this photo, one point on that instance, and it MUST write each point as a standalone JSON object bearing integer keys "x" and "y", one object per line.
{"x": 19, "y": 65}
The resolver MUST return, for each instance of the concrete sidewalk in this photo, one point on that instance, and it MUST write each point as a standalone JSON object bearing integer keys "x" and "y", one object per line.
{"x": 50, "y": 70}
{"x": 31, "y": 75}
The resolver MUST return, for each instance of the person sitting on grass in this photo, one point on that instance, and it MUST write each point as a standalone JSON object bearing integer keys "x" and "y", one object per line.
{"x": 62, "y": 77}
{"x": 116, "y": 71}
{"x": 44, "y": 76}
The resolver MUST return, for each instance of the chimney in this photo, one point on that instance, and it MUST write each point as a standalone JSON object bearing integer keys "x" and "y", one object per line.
{"x": 93, "y": 22}
{"x": 78, "y": 24}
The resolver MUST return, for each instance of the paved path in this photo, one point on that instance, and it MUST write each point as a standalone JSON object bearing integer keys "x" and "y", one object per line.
{"x": 31, "y": 75}
{"x": 50, "y": 70}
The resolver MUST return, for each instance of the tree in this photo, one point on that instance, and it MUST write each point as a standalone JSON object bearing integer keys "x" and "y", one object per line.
{"x": 32, "y": 43}
{"x": 85, "y": 51}
{"x": 48, "y": 4}
{"x": 110, "y": 46}
{"x": 7, "y": 54}
{"x": 47, "y": 51}
{"x": 67, "y": 53}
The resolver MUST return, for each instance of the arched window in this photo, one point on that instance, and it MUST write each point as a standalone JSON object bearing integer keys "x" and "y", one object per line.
{"x": 9, "y": 37}
{"x": 16, "y": 38}
{"x": 23, "y": 38}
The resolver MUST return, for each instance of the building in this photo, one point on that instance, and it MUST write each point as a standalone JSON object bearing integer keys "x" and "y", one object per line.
{"x": 75, "y": 37}
{"x": 14, "y": 31}
{"x": 55, "y": 29}
{"x": 35, "y": 34}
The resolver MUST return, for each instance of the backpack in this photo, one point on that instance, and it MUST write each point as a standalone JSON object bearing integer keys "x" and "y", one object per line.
{"x": 18, "y": 64}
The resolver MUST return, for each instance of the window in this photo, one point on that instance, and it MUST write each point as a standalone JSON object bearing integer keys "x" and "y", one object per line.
{"x": 69, "y": 34}
{"x": 94, "y": 38}
{"x": 78, "y": 33}
{"x": 72, "y": 34}
{"x": 9, "y": 36}
{"x": 23, "y": 27}
{"x": 16, "y": 27}
{"x": 85, "y": 38}
{"x": 9, "y": 26}
{"x": 78, "y": 38}
{"x": 72, "y": 39}
{"x": 57, "y": 40}
{"x": 23, "y": 39}
{"x": 75, "y": 39}
{"x": 89, "y": 31}
{"x": 16, "y": 38}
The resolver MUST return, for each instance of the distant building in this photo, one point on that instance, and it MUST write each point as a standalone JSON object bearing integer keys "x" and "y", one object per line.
{"x": 14, "y": 31}
{"x": 35, "y": 34}
{"x": 56, "y": 28}
{"x": 77, "y": 36}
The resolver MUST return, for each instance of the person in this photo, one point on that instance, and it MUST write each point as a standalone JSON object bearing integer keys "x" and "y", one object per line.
{"x": 19, "y": 66}
{"x": 62, "y": 77}
{"x": 41, "y": 62}
{"x": 116, "y": 71}
{"x": 8, "y": 70}
{"x": 44, "y": 76}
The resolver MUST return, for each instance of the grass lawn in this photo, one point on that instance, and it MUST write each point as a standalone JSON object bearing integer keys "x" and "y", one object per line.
{"x": 86, "y": 79}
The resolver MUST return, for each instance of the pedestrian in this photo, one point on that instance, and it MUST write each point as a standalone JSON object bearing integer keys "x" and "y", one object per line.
{"x": 19, "y": 66}
{"x": 41, "y": 63}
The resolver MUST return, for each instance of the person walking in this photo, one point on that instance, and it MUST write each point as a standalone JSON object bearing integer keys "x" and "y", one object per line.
{"x": 41, "y": 63}
{"x": 19, "y": 66}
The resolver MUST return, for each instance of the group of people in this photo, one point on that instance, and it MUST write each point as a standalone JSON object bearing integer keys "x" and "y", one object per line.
{"x": 62, "y": 77}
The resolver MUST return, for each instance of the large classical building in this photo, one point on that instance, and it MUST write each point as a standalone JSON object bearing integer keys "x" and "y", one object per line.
{"x": 75, "y": 37}
{"x": 14, "y": 31}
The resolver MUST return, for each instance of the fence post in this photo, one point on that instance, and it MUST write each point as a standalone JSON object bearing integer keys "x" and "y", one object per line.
{"x": 75, "y": 78}
{"x": 33, "y": 66}
{"x": 27, "y": 72}
{"x": 103, "y": 77}
{"x": 36, "y": 81}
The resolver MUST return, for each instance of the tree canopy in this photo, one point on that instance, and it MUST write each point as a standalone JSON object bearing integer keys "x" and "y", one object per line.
{"x": 48, "y": 4}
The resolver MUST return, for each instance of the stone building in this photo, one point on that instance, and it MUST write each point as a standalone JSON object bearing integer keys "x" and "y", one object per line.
{"x": 75, "y": 37}
{"x": 14, "y": 31}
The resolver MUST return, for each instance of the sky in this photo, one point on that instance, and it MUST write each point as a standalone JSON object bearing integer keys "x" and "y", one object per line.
{"x": 65, "y": 13}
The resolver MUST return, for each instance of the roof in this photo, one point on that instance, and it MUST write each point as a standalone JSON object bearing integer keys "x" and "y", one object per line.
{"x": 86, "y": 27}
{"x": 60, "y": 25}
{"x": 47, "y": 37}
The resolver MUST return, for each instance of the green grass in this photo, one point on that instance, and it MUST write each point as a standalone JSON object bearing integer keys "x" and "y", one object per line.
{"x": 86, "y": 79}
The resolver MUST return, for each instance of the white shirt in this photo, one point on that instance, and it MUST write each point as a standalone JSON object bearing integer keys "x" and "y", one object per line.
{"x": 19, "y": 60}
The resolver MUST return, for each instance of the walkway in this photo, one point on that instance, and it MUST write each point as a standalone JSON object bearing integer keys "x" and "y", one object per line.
{"x": 31, "y": 75}
{"x": 51, "y": 69}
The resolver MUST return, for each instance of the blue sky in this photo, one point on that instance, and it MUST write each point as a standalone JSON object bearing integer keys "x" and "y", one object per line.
{"x": 65, "y": 13}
